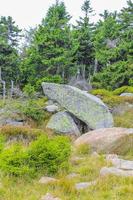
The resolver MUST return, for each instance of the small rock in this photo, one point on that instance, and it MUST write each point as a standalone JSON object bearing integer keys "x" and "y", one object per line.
{"x": 48, "y": 196}
{"x": 115, "y": 171}
{"x": 47, "y": 180}
{"x": 126, "y": 95}
{"x": 14, "y": 122}
{"x": 52, "y": 108}
{"x": 84, "y": 185}
{"x": 72, "y": 175}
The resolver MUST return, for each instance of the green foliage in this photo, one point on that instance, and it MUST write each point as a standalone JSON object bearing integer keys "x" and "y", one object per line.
{"x": 101, "y": 92}
{"x": 14, "y": 161}
{"x": 49, "y": 79}
{"x": 49, "y": 154}
{"x": 34, "y": 111}
{"x": 43, "y": 155}
{"x": 29, "y": 90}
{"x": 82, "y": 39}
{"x": 115, "y": 75}
{"x": 127, "y": 89}
{"x": 2, "y": 140}
{"x": 50, "y": 51}
{"x": 9, "y": 58}
{"x": 54, "y": 51}
{"x": 111, "y": 98}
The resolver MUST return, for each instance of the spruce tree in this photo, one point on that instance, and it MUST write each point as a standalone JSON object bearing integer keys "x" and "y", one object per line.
{"x": 50, "y": 52}
{"x": 83, "y": 39}
{"x": 9, "y": 37}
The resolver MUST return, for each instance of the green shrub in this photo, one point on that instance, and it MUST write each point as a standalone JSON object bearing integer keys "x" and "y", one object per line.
{"x": 49, "y": 154}
{"x": 110, "y": 98}
{"x": 29, "y": 90}
{"x": 114, "y": 76}
{"x": 49, "y": 79}
{"x": 123, "y": 89}
{"x": 101, "y": 92}
{"x": 2, "y": 142}
{"x": 14, "y": 161}
{"x": 34, "y": 111}
{"x": 43, "y": 155}
{"x": 116, "y": 100}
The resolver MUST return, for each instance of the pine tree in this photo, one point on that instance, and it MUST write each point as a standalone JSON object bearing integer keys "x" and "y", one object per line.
{"x": 50, "y": 52}
{"x": 9, "y": 37}
{"x": 83, "y": 38}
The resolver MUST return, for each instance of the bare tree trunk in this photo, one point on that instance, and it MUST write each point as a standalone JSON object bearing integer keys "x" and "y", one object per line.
{"x": 4, "y": 89}
{"x": 12, "y": 88}
{"x": 0, "y": 75}
{"x": 83, "y": 71}
{"x": 95, "y": 66}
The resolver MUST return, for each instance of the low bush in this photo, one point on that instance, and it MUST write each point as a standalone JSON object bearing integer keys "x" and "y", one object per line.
{"x": 49, "y": 154}
{"x": 116, "y": 100}
{"x": 42, "y": 155}
{"x": 123, "y": 89}
{"x": 29, "y": 90}
{"x": 101, "y": 92}
{"x": 14, "y": 161}
{"x": 111, "y": 98}
{"x": 32, "y": 109}
{"x": 50, "y": 79}
{"x": 2, "y": 142}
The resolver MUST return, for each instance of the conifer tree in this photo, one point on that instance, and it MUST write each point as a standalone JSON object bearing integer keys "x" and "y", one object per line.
{"x": 50, "y": 52}
{"x": 83, "y": 37}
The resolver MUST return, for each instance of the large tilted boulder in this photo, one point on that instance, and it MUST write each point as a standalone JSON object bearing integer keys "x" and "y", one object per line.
{"x": 108, "y": 140}
{"x": 62, "y": 122}
{"x": 86, "y": 107}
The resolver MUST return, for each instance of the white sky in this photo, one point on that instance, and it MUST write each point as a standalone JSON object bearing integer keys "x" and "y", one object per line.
{"x": 30, "y": 12}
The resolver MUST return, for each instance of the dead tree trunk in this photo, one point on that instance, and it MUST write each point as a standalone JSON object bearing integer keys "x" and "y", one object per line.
{"x": 12, "y": 88}
{"x": 4, "y": 86}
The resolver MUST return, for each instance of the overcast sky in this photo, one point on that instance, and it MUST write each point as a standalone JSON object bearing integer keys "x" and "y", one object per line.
{"x": 30, "y": 12}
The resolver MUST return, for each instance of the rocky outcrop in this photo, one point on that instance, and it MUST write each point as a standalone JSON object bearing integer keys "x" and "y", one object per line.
{"x": 62, "y": 122}
{"x": 115, "y": 171}
{"x": 86, "y": 107}
{"x": 110, "y": 140}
